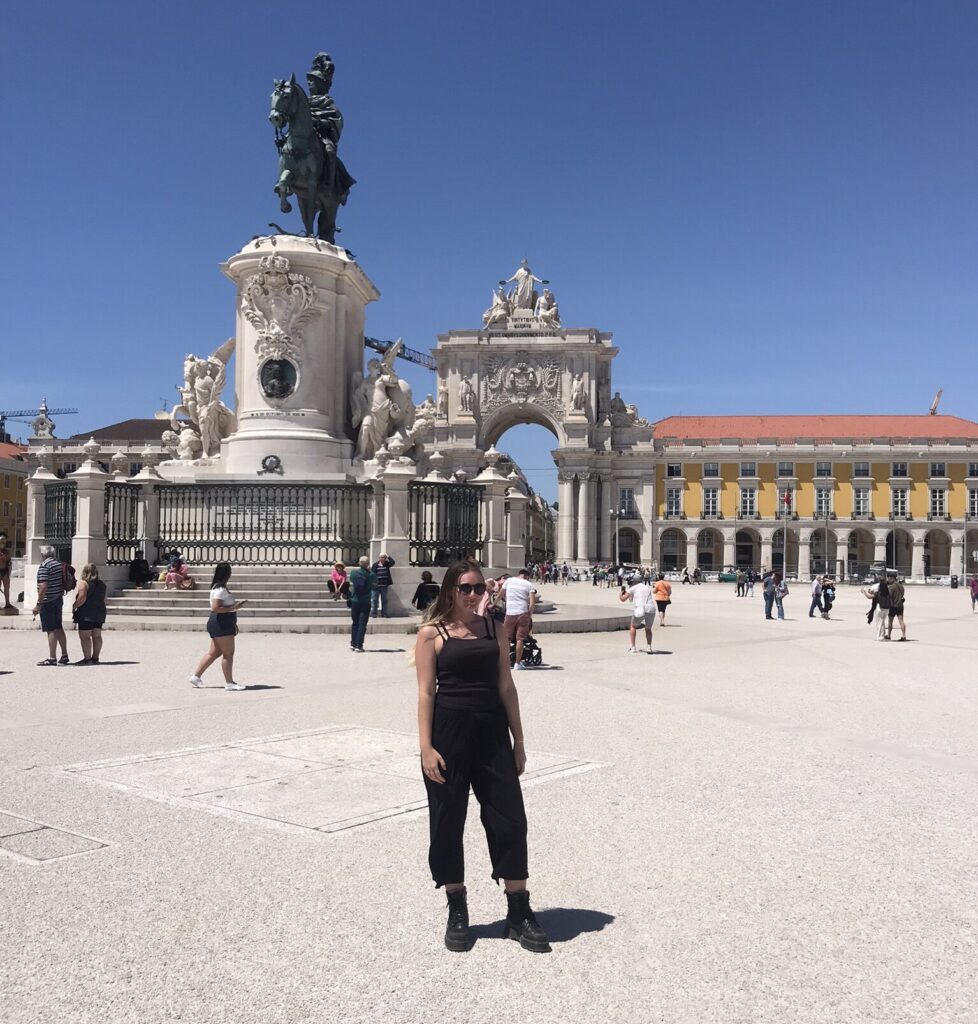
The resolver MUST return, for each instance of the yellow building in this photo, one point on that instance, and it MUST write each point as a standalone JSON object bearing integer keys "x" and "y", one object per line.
{"x": 13, "y": 496}
{"x": 810, "y": 494}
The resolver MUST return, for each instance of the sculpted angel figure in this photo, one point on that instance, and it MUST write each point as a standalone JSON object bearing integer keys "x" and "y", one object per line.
{"x": 200, "y": 402}
{"x": 499, "y": 311}
{"x": 385, "y": 406}
{"x": 546, "y": 309}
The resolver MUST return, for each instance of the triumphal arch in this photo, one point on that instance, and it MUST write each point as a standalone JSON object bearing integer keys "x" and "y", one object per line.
{"x": 523, "y": 365}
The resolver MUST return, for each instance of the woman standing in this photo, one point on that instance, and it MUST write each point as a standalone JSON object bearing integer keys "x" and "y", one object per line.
{"x": 467, "y": 709}
{"x": 662, "y": 592}
{"x": 88, "y": 613}
{"x": 222, "y": 627}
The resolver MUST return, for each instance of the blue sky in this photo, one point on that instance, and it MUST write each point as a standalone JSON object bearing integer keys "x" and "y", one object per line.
{"x": 771, "y": 205}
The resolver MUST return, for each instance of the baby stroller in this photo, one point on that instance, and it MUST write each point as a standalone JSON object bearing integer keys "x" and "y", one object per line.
{"x": 532, "y": 652}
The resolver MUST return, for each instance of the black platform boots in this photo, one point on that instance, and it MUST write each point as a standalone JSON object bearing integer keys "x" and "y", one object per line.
{"x": 522, "y": 925}
{"x": 458, "y": 938}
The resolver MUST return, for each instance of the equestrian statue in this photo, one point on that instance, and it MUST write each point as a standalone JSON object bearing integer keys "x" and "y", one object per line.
{"x": 307, "y": 134}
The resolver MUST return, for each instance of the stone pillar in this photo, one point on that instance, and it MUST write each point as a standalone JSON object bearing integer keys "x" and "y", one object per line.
{"x": 494, "y": 486}
{"x": 691, "y": 550}
{"x": 592, "y": 520}
{"x": 804, "y": 556}
{"x": 148, "y": 521}
{"x": 300, "y": 322}
{"x": 605, "y": 547}
{"x": 516, "y": 530}
{"x": 841, "y": 568}
{"x": 767, "y": 552}
{"x": 879, "y": 547}
{"x": 565, "y": 518}
{"x": 88, "y": 544}
{"x": 42, "y": 476}
{"x": 585, "y": 516}
{"x": 917, "y": 560}
{"x": 394, "y": 539}
{"x": 729, "y": 550}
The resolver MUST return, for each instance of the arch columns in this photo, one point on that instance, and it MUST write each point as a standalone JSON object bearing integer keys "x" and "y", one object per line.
{"x": 879, "y": 545}
{"x": 585, "y": 517}
{"x": 767, "y": 551}
{"x": 692, "y": 552}
{"x": 606, "y": 548}
{"x": 805, "y": 555}
{"x": 917, "y": 559}
{"x": 729, "y": 549}
{"x": 565, "y": 517}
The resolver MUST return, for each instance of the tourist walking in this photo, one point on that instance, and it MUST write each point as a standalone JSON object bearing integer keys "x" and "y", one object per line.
{"x": 897, "y": 594}
{"x": 741, "y": 589}
{"x": 384, "y": 581}
{"x": 339, "y": 581}
{"x": 780, "y": 593}
{"x": 521, "y": 600}
{"x": 363, "y": 583}
{"x": 879, "y": 595}
{"x": 426, "y": 592}
{"x": 662, "y": 592}
{"x": 973, "y": 587}
{"x": 828, "y": 596}
{"x": 222, "y": 628}
{"x": 643, "y": 613}
{"x": 750, "y": 581}
{"x": 88, "y": 614}
{"x": 52, "y": 577}
{"x": 816, "y": 598}
{"x": 468, "y": 710}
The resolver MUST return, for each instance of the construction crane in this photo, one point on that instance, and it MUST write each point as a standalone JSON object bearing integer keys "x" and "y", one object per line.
{"x": 29, "y": 415}
{"x": 412, "y": 355}
{"x": 936, "y": 402}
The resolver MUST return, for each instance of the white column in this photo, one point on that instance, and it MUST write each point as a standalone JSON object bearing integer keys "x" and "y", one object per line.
{"x": 565, "y": 518}
{"x": 917, "y": 560}
{"x": 516, "y": 530}
{"x": 804, "y": 557}
{"x": 584, "y": 488}
{"x": 606, "y": 546}
{"x": 729, "y": 550}
{"x": 590, "y": 552}
{"x": 691, "y": 552}
{"x": 879, "y": 547}
{"x": 767, "y": 549}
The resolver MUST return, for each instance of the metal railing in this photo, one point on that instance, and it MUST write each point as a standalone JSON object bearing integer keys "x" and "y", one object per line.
{"x": 265, "y": 524}
{"x": 121, "y": 522}
{"x": 60, "y": 514}
{"x": 445, "y": 523}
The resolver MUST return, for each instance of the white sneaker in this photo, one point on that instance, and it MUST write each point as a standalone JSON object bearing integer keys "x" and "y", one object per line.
{"x": 234, "y": 686}
{"x": 196, "y": 681}
{"x": 648, "y": 650}
{"x": 633, "y": 650}
{"x": 518, "y": 667}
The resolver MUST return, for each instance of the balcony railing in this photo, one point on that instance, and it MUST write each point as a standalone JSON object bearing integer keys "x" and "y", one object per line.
{"x": 901, "y": 517}
{"x": 938, "y": 517}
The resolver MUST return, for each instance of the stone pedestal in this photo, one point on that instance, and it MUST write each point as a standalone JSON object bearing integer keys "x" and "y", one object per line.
{"x": 300, "y": 329}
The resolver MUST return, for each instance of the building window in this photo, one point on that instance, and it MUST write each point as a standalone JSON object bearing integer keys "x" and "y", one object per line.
{"x": 860, "y": 502}
{"x": 711, "y": 502}
{"x": 134, "y": 468}
{"x": 898, "y": 502}
{"x": 861, "y": 469}
{"x": 748, "y": 502}
{"x": 899, "y": 469}
{"x": 6, "y": 479}
{"x": 705, "y": 541}
{"x": 674, "y": 469}
{"x": 674, "y": 502}
{"x": 713, "y": 469}
{"x": 20, "y": 509}
{"x": 972, "y": 503}
{"x": 748, "y": 469}
{"x": 6, "y": 510}
{"x": 973, "y": 469}
{"x": 786, "y": 469}
{"x": 938, "y": 469}
{"x": 823, "y": 468}
{"x": 938, "y": 503}
{"x": 786, "y": 503}
{"x": 823, "y": 502}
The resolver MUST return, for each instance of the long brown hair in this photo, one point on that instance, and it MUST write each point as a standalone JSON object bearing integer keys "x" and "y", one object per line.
{"x": 440, "y": 610}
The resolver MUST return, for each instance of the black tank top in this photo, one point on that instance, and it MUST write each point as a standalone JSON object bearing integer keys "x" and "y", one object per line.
{"x": 93, "y": 610}
{"x": 468, "y": 671}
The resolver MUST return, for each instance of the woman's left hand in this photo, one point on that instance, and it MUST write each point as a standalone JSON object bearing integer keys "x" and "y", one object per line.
{"x": 519, "y": 754}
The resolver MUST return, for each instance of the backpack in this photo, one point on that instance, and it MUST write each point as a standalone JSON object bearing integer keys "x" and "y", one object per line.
{"x": 68, "y": 576}
{"x": 360, "y": 582}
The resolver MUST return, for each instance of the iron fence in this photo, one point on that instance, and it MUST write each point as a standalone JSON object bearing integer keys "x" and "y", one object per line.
{"x": 265, "y": 524}
{"x": 445, "y": 523}
{"x": 121, "y": 522}
{"x": 60, "y": 514}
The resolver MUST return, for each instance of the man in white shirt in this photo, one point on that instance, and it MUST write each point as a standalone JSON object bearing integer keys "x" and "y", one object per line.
{"x": 643, "y": 611}
{"x": 521, "y": 599}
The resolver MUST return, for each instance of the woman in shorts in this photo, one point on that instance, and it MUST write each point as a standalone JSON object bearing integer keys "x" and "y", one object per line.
{"x": 662, "y": 592}
{"x": 222, "y": 627}
{"x": 88, "y": 614}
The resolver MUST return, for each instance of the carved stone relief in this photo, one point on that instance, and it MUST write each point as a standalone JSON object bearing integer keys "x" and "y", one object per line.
{"x": 522, "y": 378}
{"x": 278, "y": 303}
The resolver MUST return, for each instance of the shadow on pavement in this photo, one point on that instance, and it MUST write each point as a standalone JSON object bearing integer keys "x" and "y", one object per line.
{"x": 261, "y": 686}
{"x": 660, "y": 652}
{"x": 5, "y": 672}
{"x": 101, "y": 663}
{"x": 560, "y": 923}
{"x": 383, "y": 650}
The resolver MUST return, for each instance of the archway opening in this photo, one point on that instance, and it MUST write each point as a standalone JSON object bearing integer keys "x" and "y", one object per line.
{"x": 860, "y": 552}
{"x": 672, "y": 549}
{"x": 709, "y": 549}
{"x": 823, "y": 552}
{"x": 628, "y": 546}
{"x": 748, "y": 549}
{"x": 937, "y": 553}
{"x": 899, "y": 551}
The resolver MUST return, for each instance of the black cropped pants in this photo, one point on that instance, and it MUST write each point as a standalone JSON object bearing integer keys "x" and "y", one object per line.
{"x": 477, "y": 751}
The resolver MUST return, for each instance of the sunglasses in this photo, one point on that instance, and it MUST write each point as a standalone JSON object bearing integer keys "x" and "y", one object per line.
{"x": 471, "y": 588}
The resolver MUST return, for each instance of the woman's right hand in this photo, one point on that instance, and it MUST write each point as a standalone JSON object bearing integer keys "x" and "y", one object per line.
{"x": 432, "y": 764}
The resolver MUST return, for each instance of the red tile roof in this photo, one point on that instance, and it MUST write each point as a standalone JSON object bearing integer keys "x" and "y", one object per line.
{"x": 12, "y": 451}
{"x": 822, "y": 428}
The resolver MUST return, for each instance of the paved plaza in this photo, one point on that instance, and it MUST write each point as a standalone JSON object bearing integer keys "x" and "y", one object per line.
{"x": 763, "y": 822}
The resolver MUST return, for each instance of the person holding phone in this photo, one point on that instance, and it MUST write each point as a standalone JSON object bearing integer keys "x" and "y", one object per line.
{"x": 222, "y": 627}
